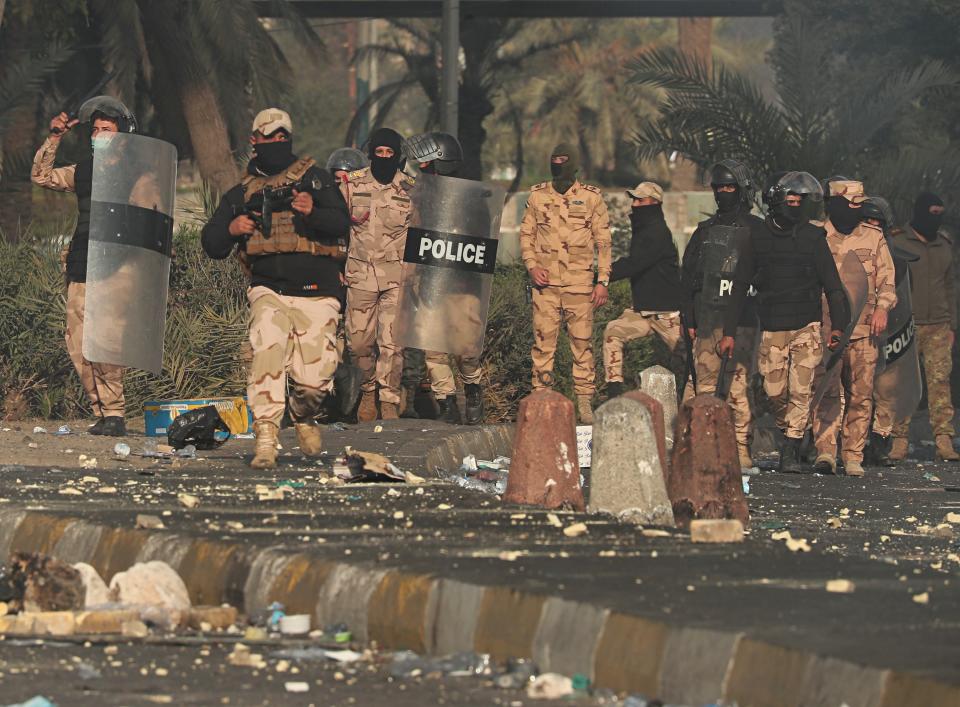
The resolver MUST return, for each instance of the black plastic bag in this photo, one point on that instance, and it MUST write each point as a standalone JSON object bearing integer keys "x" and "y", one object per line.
{"x": 199, "y": 427}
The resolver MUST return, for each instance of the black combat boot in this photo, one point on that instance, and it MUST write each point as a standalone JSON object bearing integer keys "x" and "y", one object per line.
{"x": 449, "y": 410}
{"x": 112, "y": 426}
{"x": 614, "y": 390}
{"x": 473, "y": 399}
{"x": 410, "y": 402}
{"x": 790, "y": 456}
{"x": 877, "y": 451}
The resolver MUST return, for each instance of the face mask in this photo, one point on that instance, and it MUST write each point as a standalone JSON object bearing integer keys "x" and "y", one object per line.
{"x": 843, "y": 218}
{"x": 645, "y": 215}
{"x": 564, "y": 174}
{"x": 924, "y": 222}
{"x": 273, "y": 157}
{"x": 384, "y": 168}
{"x": 727, "y": 200}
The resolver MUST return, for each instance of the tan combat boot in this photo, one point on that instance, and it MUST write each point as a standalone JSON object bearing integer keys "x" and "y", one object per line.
{"x": 388, "y": 411}
{"x": 899, "y": 449}
{"x": 367, "y": 412}
{"x": 309, "y": 438}
{"x": 853, "y": 468}
{"x": 945, "y": 450}
{"x": 265, "y": 451}
{"x": 746, "y": 462}
{"x": 584, "y": 409}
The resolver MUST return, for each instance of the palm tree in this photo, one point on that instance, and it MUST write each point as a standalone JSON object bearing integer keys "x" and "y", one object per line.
{"x": 206, "y": 65}
{"x": 820, "y": 121}
{"x": 492, "y": 50}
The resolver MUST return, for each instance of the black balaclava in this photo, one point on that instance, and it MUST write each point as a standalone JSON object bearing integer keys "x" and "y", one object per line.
{"x": 843, "y": 218}
{"x": 384, "y": 168}
{"x": 273, "y": 157}
{"x": 728, "y": 201}
{"x": 924, "y": 222}
{"x": 645, "y": 215}
{"x": 564, "y": 175}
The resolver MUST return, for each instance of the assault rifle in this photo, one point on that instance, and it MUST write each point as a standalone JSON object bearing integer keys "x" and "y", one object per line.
{"x": 263, "y": 204}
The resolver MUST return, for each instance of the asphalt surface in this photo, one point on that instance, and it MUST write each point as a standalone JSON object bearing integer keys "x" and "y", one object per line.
{"x": 880, "y": 532}
{"x": 115, "y": 674}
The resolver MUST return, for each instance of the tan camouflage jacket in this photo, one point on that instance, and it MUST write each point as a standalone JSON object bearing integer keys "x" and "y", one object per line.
{"x": 380, "y": 214}
{"x": 563, "y": 233}
{"x": 45, "y": 175}
{"x": 871, "y": 248}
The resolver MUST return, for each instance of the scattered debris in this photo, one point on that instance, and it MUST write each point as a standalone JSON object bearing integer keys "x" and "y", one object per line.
{"x": 149, "y": 522}
{"x": 550, "y": 686}
{"x": 243, "y": 658}
{"x": 923, "y": 598}
{"x": 366, "y": 467}
{"x": 296, "y": 687}
{"x": 716, "y": 531}
{"x": 121, "y": 450}
{"x": 96, "y": 592}
{"x": 575, "y": 530}
{"x": 841, "y": 586}
{"x": 187, "y": 500}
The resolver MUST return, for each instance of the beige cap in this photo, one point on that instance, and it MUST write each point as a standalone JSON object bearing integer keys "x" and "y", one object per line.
{"x": 850, "y": 190}
{"x": 270, "y": 120}
{"x": 645, "y": 189}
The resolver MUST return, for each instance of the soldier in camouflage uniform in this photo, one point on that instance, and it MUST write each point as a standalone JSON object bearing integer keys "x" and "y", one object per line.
{"x": 564, "y": 227}
{"x": 295, "y": 283}
{"x": 847, "y": 233}
{"x": 379, "y": 202}
{"x": 935, "y": 313}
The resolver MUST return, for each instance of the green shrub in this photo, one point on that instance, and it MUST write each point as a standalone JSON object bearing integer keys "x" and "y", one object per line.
{"x": 207, "y": 330}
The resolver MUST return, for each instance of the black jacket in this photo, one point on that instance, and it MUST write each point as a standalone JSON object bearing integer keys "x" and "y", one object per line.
{"x": 652, "y": 266}
{"x": 791, "y": 271}
{"x": 691, "y": 275}
{"x": 294, "y": 274}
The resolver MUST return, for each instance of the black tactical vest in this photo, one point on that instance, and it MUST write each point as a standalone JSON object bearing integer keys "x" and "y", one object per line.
{"x": 790, "y": 290}
{"x": 77, "y": 255}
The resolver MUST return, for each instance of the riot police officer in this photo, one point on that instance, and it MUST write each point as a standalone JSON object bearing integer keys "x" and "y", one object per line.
{"x": 790, "y": 265}
{"x": 707, "y": 272}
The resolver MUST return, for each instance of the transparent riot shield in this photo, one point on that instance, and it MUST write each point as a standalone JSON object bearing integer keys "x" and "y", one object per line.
{"x": 898, "y": 387}
{"x": 719, "y": 255}
{"x": 449, "y": 258}
{"x": 855, "y": 283}
{"x": 128, "y": 259}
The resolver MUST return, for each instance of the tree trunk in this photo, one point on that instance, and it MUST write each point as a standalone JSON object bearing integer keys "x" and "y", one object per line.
{"x": 208, "y": 135}
{"x": 695, "y": 35}
{"x": 475, "y": 106}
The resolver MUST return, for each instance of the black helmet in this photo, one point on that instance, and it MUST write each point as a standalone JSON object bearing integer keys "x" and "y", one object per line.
{"x": 347, "y": 159}
{"x": 442, "y": 148}
{"x": 111, "y": 109}
{"x": 768, "y": 189}
{"x": 802, "y": 184}
{"x": 878, "y": 208}
{"x": 727, "y": 172}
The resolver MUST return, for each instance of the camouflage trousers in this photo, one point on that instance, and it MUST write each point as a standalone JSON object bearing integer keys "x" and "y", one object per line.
{"x": 442, "y": 380}
{"x": 707, "y": 362}
{"x": 636, "y": 325}
{"x": 851, "y": 417}
{"x": 571, "y": 307}
{"x": 102, "y": 382}
{"x": 295, "y": 336}
{"x": 788, "y": 362}
{"x": 936, "y": 359}
{"x": 370, "y": 320}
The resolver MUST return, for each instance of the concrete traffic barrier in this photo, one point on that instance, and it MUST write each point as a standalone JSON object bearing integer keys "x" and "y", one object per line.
{"x": 705, "y": 479}
{"x": 627, "y": 475}
{"x": 661, "y": 385}
{"x": 544, "y": 470}
{"x": 659, "y": 427}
